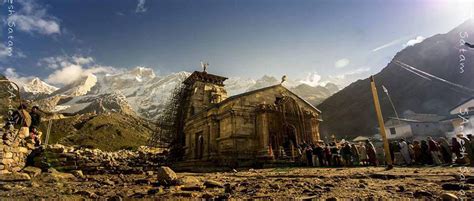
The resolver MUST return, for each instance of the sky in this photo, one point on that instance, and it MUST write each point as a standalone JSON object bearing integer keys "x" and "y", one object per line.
{"x": 314, "y": 41}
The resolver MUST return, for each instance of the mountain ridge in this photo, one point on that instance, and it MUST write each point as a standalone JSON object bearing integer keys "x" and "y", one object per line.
{"x": 146, "y": 94}
{"x": 437, "y": 55}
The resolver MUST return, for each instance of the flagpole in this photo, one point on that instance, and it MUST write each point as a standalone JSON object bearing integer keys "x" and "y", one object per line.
{"x": 388, "y": 158}
{"x": 391, "y": 102}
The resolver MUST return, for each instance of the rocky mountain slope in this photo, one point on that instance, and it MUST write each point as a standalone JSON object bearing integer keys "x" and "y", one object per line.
{"x": 350, "y": 112}
{"x": 106, "y": 131}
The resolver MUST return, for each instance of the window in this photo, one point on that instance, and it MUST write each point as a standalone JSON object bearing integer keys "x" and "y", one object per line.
{"x": 393, "y": 131}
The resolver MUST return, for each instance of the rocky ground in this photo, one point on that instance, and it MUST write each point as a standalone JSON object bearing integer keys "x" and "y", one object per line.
{"x": 299, "y": 183}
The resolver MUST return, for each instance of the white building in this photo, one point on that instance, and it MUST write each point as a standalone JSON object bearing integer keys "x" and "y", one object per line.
{"x": 415, "y": 126}
{"x": 462, "y": 118}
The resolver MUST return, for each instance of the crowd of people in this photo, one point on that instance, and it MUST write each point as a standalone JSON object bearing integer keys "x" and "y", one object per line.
{"x": 460, "y": 150}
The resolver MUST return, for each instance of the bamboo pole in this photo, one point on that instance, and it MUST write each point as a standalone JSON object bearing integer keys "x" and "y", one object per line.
{"x": 378, "y": 110}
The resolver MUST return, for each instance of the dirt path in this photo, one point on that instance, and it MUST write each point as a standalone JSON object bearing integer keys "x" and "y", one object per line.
{"x": 299, "y": 183}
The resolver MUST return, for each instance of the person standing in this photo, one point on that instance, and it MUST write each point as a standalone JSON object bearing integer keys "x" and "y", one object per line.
{"x": 398, "y": 158}
{"x": 327, "y": 155}
{"x": 434, "y": 150}
{"x": 404, "y": 150}
{"x": 314, "y": 156}
{"x": 362, "y": 154}
{"x": 355, "y": 154}
{"x": 445, "y": 151}
{"x": 335, "y": 154}
{"x": 309, "y": 155}
{"x": 371, "y": 153}
{"x": 425, "y": 154}
{"x": 468, "y": 149}
{"x": 346, "y": 152}
{"x": 22, "y": 118}
{"x": 411, "y": 151}
{"x": 35, "y": 124}
{"x": 456, "y": 148}
{"x": 319, "y": 151}
{"x": 417, "y": 152}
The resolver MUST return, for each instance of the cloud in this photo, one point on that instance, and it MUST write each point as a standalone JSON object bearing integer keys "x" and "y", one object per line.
{"x": 12, "y": 75}
{"x": 414, "y": 41}
{"x": 312, "y": 79}
{"x": 64, "y": 61}
{"x": 141, "y": 6}
{"x": 344, "y": 79}
{"x": 6, "y": 52}
{"x": 341, "y": 63}
{"x": 68, "y": 69}
{"x": 32, "y": 17}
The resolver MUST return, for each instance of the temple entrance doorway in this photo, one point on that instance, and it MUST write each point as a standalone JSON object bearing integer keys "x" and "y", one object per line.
{"x": 199, "y": 148}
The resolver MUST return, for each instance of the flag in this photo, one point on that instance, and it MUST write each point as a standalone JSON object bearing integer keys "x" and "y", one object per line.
{"x": 385, "y": 89}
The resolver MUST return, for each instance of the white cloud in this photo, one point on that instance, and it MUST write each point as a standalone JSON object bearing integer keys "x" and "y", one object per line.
{"x": 64, "y": 61}
{"x": 341, "y": 63}
{"x": 141, "y": 6}
{"x": 414, "y": 41}
{"x": 312, "y": 79}
{"x": 6, "y": 52}
{"x": 82, "y": 60}
{"x": 66, "y": 75}
{"x": 12, "y": 75}
{"x": 69, "y": 69}
{"x": 344, "y": 79}
{"x": 32, "y": 17}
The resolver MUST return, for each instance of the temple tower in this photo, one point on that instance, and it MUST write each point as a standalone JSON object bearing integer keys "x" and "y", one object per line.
{"x": 204, "y": 90}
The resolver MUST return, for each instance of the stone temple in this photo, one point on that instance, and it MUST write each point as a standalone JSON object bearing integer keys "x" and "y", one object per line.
{"x": 260, "y": 126}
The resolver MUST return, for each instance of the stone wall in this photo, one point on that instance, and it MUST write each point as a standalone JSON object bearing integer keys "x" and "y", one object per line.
{"x": 14, "y": 150}
{"x": 95, "y": 161}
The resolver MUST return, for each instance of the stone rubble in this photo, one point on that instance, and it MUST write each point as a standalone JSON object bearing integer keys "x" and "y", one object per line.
{"x": 14, "y": 149}
{"x": 95, "y": 161}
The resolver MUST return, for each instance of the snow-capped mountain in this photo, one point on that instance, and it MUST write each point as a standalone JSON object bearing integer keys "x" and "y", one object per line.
{"x": 79, "y": 87}
{"x": 142, "y": 91}
{"x": 111, "y": 102}
{"x": 36, "y": 88}
{"x": 237, "y": 85}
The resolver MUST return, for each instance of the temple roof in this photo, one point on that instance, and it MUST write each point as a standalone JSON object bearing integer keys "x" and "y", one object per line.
{"x": 266, "y": 88}
{"x": 205, "y": 77}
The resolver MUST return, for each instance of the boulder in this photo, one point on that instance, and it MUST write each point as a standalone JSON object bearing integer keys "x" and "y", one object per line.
{"x": 454, "y": 186}
{"x": 78, "y": 174}
{"x": 213, "y": 184}
{"x": 87, "y": 194}
{"x": 59, "y": 175}
{"x": 166, "y": 175}
{"x": 12, "y": 177}
{"x": 192, "y": 187}
{"x": 32, "y": 171}
{"x": 188, "y": 180}
{"x": 449, "y": 197}
{"x": 420, "y": 193}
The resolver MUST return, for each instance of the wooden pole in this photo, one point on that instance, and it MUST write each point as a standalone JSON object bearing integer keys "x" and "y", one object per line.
{"x": 381, "y": 123}
{"x": 48, "y": 132}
